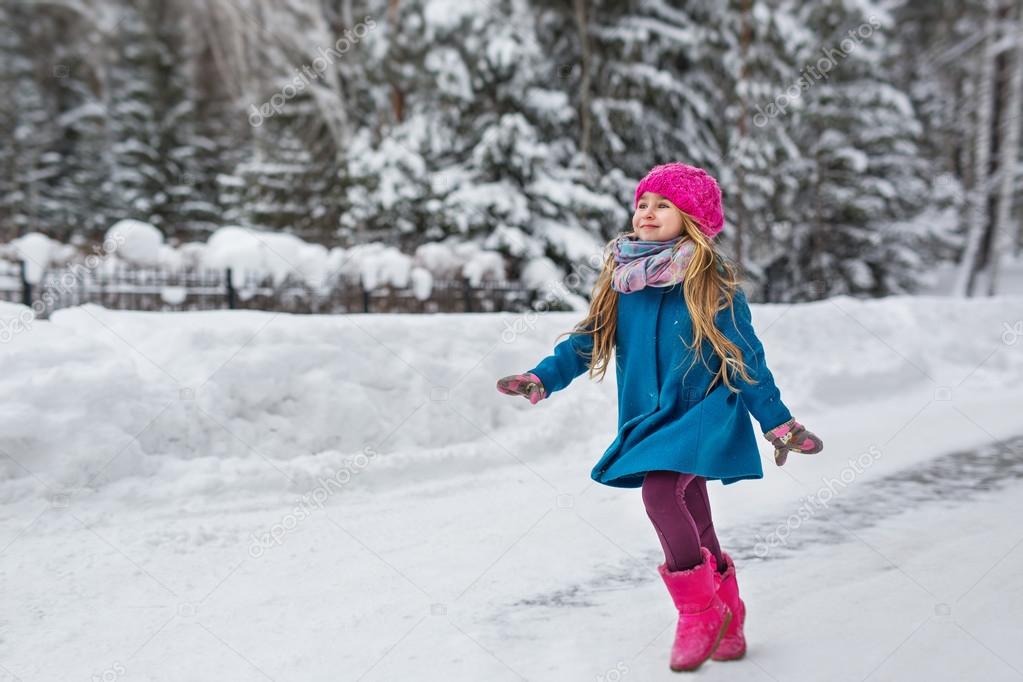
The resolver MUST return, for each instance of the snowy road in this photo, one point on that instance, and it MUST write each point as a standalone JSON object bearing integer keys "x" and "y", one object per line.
{"x": 917, "y": 576}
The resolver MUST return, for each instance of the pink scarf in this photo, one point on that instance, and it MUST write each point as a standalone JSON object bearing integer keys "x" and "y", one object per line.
{"x": 640, "y": 263}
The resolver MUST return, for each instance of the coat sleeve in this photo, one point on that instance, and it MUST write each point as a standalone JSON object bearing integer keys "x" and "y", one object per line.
{"x": 763, "y": 398}
{"x": 570, "y": 359}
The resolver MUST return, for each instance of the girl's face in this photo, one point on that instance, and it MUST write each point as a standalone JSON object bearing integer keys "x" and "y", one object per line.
{"x": 656, "y": 218}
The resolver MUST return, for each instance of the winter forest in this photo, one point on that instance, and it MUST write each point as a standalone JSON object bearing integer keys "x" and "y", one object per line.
{"x": 858, "y": 143}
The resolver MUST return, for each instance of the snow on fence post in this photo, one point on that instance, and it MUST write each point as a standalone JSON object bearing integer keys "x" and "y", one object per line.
{"x": 26, "y": 286}
{"x": 230, "y": 289}
{"x": 531, "y": 298}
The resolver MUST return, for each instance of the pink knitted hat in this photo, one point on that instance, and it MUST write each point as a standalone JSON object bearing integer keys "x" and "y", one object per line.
{"x": 691, "y": 189}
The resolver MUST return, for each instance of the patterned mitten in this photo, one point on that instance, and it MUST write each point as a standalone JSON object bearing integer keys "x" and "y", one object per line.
{"x": 526, "y": 385}
{"x": 792, "y": 436}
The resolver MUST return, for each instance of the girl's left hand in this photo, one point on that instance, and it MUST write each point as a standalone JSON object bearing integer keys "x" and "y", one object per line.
{"x": 792, "y": 436}
{"x": 527, "y": 385}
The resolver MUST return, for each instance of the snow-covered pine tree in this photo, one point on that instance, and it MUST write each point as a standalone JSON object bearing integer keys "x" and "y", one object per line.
{"x": 754, "y": 49}
{"x": 29, "y": 164}
{"x": 932, "y": 39}
{"x": 1000, "y": 243}
{"x": 483, "y": 147}
{"x": 133, "y": 98}
{"x": 294, "y": 114}
{"x": 192, "y": 148}
{"x": 928, "y": 61}
{"x": 652, "y": 99}
{"x": 80, "y": 194}
{"x": 290, "y": 182}
{"x": 385, "y": 171}
{"x": 866, "y": 176}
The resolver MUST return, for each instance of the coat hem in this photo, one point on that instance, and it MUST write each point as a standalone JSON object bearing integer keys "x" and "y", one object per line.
{"x": 635, "y": 480}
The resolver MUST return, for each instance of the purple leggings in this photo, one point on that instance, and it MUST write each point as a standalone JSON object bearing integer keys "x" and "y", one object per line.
{"x": 679, "y": 508}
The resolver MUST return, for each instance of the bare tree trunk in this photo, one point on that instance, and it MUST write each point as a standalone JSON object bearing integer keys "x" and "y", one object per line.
{"x": 1001, "y": 240}
{"x": 584, "y": 85}
{"x": 982, "y": 157}
{"x": 745, "y": 38}
{"x": 397, "y": 96}
{"x": 346, "y": 13}
{"x": 1017, "y": 240}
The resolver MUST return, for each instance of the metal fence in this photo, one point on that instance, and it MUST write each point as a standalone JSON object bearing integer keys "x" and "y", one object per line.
{"x": 158, "y": 289}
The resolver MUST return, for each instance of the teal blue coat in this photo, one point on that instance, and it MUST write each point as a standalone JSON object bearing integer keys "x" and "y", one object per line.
{"x": 665, "y": 423}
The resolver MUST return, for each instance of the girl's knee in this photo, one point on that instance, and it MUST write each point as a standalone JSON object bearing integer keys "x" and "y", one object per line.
{"x": 659, "y": 491}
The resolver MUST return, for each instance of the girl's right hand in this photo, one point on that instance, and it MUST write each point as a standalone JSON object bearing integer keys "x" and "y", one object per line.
{"x": 527, "y": 385}
{"x": 792, "y": 436}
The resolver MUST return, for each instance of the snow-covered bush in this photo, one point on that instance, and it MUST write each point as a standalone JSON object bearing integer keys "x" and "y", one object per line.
{"x": 39, "y": 252}
{"x": 245, "y": 250}
{"x": 136, "y": 242}
{"x": 253, "y": 254}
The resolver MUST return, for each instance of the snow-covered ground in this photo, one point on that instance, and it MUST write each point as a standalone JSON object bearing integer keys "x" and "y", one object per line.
{"x": 249, "y": 496}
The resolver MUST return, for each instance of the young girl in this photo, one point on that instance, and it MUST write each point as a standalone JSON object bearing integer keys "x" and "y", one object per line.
{"x": 683, "y": 416}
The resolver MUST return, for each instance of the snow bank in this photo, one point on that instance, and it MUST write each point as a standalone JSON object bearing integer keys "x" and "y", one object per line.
{"x": 227, "y": 399}
{"x": 10, "y": 312}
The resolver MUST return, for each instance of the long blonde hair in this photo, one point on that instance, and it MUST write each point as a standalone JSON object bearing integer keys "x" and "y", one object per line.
{"x": 709, "y": 286}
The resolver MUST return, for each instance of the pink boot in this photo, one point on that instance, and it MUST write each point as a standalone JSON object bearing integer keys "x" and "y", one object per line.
{"x": 733, "y": 644}
{"x": 702, "y": 616}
